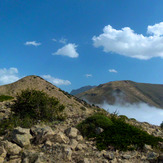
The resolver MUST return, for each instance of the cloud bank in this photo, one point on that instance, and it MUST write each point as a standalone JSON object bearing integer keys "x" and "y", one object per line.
{"x": 56, "y": 81}
{"x": 140, "y": 111}
{"x": 128, "y": 43}
{"x": 33, "y": 43}
{"x": 69, "y": 50}
{"x": 8, "y": 75}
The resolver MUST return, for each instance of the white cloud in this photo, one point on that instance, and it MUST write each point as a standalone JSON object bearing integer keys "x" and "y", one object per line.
{"x": 53, "y": 39}
{"x": 68, "y": 50}
{"x": 34, "y": 43}
{"x": 8, "y": 75}
{"x": 88, "y": 75}
{"x": 156, "y": 29}
{"x": 126, "y": 42}
{"x": 63, "y": 40}
{"x": 56, "y": 81}
{"x": 113, "y": 70}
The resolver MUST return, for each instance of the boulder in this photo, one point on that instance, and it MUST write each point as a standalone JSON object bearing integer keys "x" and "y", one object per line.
{"x": 12, "y": 149}
{"x": 72, "y": 132}
{"x": 41, "y": 133}
{"x": 21, "y": 136}
{"x": 61, "y": 138}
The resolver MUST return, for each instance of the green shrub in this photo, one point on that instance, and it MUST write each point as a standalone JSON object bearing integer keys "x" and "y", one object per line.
{"x": 30, "y": 107}
{"x": 117, "y": 134}
{"x": 88, "y": 127}
{"x": 161, "y": 125}
{"x": 37, "y": 105}
{"x": 5, "y": 97}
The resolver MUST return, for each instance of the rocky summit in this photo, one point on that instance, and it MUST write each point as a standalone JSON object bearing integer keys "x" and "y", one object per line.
{"x": 61, "y": 141}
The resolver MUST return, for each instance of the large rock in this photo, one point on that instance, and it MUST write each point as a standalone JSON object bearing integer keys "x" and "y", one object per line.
{"x": 12, "y": 149}
{"x": 60, "y": 137}
{"x": 72, "y": 132}
{"x": 3, "y": 152}
{"x": 21, "y": 136}
{"x": 67, "y": 153}
{"x": 31, "y": 156}
{"x": 41, "y": 133}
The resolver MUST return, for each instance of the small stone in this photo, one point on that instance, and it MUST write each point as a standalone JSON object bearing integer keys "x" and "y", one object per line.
{"x": 99, "y": 130}
{"x": 48, "y": 143}
{"x": 152, "y": 156}
{"x": 126, "y": 156}
{"x": 79, "y": 138}
{"x": 73, "y": 144}
{"x": 80, "y": 147}
{"x": 109, "y": 155}
{"x": 147, "y": 147}
{"x": 67, "y": 153}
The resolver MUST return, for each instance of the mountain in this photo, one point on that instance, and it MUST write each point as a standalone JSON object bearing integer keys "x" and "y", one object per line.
{"x": 125, "y": 91}
{"x": 62, "y": 141}
{"x": 38, "y": 83}
{"x": 80, "y": 90}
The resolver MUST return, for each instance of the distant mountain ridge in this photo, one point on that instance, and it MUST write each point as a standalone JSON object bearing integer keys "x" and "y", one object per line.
{"x": 125, "y": 91}
{"x": 80, "y": 90}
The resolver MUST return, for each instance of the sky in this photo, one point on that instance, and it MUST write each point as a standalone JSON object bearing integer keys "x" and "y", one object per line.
{"x": 73, "y": 43}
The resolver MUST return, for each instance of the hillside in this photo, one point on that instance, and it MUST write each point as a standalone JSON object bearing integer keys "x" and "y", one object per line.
{"x": 80, "y": 90}
{"x": 38, "y": 83}
{"x": 125, "y": 91}
{"x": 65, "y": 141}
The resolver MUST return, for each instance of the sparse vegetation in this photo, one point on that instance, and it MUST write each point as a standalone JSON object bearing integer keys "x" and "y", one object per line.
{"x": 5, "y": 97}
{"x": 83, "y": 108}
{"x": 117, "y": 133}
{"x": 31, "y": 106}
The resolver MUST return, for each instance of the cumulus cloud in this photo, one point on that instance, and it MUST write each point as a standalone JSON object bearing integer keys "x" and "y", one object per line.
{"x": 113, "y": 70}
{"x": 88, "y": 75}
{"x": 56, "y": 81}
{"x": 8, "y": 75}
{"x": 156, "y": 29}
{"x": 68, "y": 50}
{"x": 128, "y": 43}
{"x": 33, "y": 43}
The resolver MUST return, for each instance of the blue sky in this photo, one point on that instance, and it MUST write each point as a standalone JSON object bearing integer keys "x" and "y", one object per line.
{"x": 73, "y": 43}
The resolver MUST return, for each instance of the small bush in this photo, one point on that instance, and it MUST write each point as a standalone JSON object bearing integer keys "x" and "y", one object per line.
{"x": 5, "y": 97}
{"x": 117, "y": 133}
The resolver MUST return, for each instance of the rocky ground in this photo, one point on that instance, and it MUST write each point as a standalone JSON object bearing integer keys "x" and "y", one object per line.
{"x": 63, "y": 143}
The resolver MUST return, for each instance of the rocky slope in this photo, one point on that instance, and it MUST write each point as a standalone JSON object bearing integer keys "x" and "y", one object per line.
{"x": 61, "y": 142}
{"x": 125, "y": 91}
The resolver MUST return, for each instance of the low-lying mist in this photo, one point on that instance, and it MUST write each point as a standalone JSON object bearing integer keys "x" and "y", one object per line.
{"x": 140, "y": 111}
